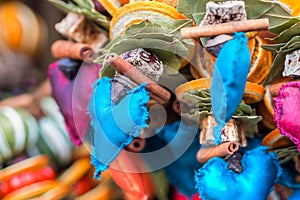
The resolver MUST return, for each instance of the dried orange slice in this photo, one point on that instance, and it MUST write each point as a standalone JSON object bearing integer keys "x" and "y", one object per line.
{"x": 172, "y": 3}
{"x": 169, "y": 2}
{"x": 141, "y": 10}
{"x": 253, "y": 92}
{"x": 111, "y": 6}
{"x": 293, "y": 5}
{"x": 197, "y": 84}
{"x": 251, "y": 45}
{"x": 265, "y": 109}
{"x": 251, "y": 34}
{"x": 261, "y": 61}
{"x": 203, "y": 64}
{"x": 275, "y": 140}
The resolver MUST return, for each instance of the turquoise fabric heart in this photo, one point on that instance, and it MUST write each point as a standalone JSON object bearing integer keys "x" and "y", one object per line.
{"x": 115, "y": 126}
{"x": 229, "y": 80}
{"x": 180, "y": 173}
{"x": 295, "y": 195}
{"x": 260, "y": 172}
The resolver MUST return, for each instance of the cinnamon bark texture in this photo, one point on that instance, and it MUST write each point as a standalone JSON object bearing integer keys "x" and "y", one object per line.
{"x": 225, "y": 28}
{"x": 222, "y": 150}
{"x": 69, "y": 49}
{"x": 158, "y": 93}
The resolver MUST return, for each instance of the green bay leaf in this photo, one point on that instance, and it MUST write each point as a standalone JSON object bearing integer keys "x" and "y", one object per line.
{"x": 289, "y": 33}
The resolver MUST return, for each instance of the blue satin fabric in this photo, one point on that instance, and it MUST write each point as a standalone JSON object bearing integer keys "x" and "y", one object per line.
{"x": 295, "y": 195}
{"x": 229, "y": 80}
{"x": 115, "y": 126}
{"x": 288, "y": 176}
{"x": 260, "y": 172}
{"x": 180, "y": 173}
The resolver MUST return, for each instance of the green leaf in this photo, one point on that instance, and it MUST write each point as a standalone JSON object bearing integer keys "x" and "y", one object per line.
{"x": 284, "y": 26}
{"x": 270, "y": 9}
{"x": 272, "y": 47}
{"x": 288, "y": 34}
{"x": 169, "y": 60}
{"x": 278, "y": 62}
{"x": 199, "y": 100}
{"x": 127, "y": 44}
{"x": 63, "y": 6}
{"x": 198, "y": 17}
{"x": 184, "y": 8}
{"x": 85, "y": 8}
{"x": 249, "y": 123}
{"x": 160, "y": 36}
{"x": 279, "y": 17}
{"x": 276, "y": 69}
{"x": 290, "y": 44}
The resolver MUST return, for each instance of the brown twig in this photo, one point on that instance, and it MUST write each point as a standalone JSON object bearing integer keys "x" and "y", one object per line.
{"x": 69, "y": 49}
{"x": 225, "y": 28}
{"x": 222, "y": 150}
{"x": 158, "y": 93}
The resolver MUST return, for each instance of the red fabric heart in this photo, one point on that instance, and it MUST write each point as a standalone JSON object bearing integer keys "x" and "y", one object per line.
{"x": 287, "y": 111}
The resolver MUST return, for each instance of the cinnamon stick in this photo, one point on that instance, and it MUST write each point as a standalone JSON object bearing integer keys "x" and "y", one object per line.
{"x": 137, "y": 145}
{"x": 222, "y": 150}
{"x": 225, "y": 28}
{"x": 158, "y": 93}
{"x": 69, "y": 49}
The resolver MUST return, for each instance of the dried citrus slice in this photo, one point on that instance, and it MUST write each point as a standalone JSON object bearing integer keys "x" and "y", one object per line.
{"x": 169, "y": 2}
{"x": 197, "y": 84}
{"x": 265, "y": 109}
{"x": 251, "y": 34}
{"x": 203, "y": 64}
{"x": 275, "y": 140}
{"x": 141, "y": 10}
{"x": 261, "y": 61}
{"x": 253, "y": 92}
{"x": 293, "y": 5}
{"x": 251, "y": 45}
{"x": 172, "y": 3}
{"x": 111, "y": 6}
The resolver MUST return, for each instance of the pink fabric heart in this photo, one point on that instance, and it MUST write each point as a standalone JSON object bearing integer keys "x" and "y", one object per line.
{"x": 287, "y": 111}
{"x": 73, "y": 96}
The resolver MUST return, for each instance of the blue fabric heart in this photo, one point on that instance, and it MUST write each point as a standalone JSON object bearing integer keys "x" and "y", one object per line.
{"x": 295, "y": 195}
{"x": 228, "y": 80}
{"x": 180, "y": 173}
{"x": 260, "y": 172}
{"x": 115, "y": 126}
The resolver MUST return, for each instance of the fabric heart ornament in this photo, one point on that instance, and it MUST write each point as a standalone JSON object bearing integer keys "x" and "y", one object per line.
{"x": 72, "y": 97}
{"x": 115, "y": 126}
{"x": 260, "y": 172}
{"x": 229, "y": 80}
{"x": 287, "y": 111}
